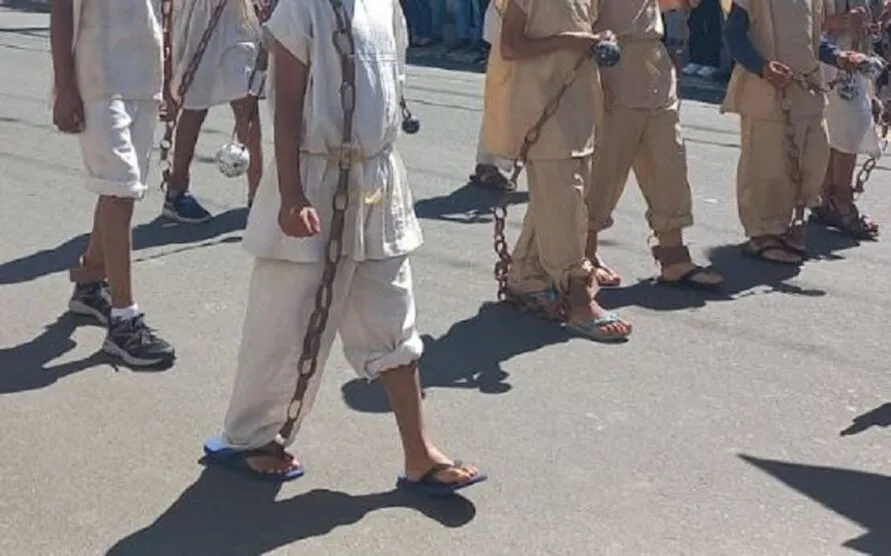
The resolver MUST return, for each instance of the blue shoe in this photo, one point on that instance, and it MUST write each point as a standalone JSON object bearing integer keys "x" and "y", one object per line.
{"x": 185, "y": 208}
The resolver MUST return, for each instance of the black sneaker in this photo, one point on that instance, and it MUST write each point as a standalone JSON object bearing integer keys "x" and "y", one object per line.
{"x": 136, "y": 344}
{"x": 91, "y": 300}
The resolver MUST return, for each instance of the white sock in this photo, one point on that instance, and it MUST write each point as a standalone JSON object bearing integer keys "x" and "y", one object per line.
{"x": 126, "y": 313}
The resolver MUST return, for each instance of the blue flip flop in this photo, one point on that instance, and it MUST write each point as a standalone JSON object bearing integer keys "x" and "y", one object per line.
{"x": 220, "y": 453}
{"x": 429, "y": 485}
{"x": 595, "y": 329}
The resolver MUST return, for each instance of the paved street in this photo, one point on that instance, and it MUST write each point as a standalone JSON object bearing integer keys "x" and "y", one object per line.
{"x": 714, "y": 431}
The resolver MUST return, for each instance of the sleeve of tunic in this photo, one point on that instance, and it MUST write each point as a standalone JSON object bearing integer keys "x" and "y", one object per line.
{"x": 291, "y": 26}
{"x": 736, "y": 32}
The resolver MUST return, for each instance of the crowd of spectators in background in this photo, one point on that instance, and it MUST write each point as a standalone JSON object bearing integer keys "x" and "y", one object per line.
{"x": 428, "y": 21}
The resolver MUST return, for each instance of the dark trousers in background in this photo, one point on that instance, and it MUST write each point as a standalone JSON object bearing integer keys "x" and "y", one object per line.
{"x": 706, "y": 34}
{"x": 419, "y": 18}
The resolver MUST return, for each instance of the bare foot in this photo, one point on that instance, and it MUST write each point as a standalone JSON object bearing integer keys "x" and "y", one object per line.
{"x": 772, "y": 250}
{"x": 605, "y": 275}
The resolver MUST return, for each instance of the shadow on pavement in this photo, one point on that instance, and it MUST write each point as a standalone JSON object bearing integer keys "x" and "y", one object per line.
{"x": 878, "y": 417}
{"x": 152, "y": 234}
{"x": 468, "y": 204}
{"x": 864, "y": 498}
{"x": 469, "y": 356}
{"x": 743, "y": 277}
{"x": 224, "y": 513}
{"x": 25, "y": 367}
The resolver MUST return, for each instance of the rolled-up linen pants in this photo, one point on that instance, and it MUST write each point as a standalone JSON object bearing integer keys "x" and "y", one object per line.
{"x": 765, "y": 195}
{"x": 551, "y": 248}
{"x": 373, "y": 309}
{"x": 650, "y": 142}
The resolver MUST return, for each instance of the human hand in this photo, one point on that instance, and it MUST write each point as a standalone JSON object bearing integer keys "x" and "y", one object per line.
{"x": 850, "y": 60}
{"x": 581, "y": 41}
{"x": 777, "y": 74}
{"x": 68, "y": 110}
{"x": 299, "y": 219}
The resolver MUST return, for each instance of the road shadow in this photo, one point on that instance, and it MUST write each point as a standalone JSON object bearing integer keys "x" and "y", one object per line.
{"x": 27, "y": 366}
{"x": 878, "y": 417}
{"x": 864, "y": 498}
{"x": 468, "y": 204}
{"x": 156, "y": 233}
{"x": 39, "y": 6}
{"x": 469, "y": 356}
{"x": 225, "y": 514}
{"x": 440, "y": 57}
{"x": 743, "y": 277}
{"x": 825, "y": 244}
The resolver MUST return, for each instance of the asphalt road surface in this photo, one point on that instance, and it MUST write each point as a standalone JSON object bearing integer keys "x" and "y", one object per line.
{"x": 715, "y": 431}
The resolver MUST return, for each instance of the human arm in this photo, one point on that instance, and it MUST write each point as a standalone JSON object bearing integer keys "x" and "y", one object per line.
{"x": 291, "y": 37}
{"x": 849, "y": 22}
{"x": 736, "y": 33}
{"x": 517, "y": 45}
{"x": 671, "y": 5}
{"x": 68, "y": 110}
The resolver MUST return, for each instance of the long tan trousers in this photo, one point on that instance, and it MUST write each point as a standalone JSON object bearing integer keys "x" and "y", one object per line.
{"x": 551, "y": 247}
{"x": 649, "y": 142}
{"x": 373, "y": 310}
{"x": 765, "y": 196}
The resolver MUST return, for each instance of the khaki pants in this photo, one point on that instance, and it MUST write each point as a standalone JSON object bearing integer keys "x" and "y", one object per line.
{"x": 765, "y": 196}
{"x": 650, "y": 142}
{"x": 373, "y": 310}
{"x": 484, "y": 157}
{"x": 551, "y": 247}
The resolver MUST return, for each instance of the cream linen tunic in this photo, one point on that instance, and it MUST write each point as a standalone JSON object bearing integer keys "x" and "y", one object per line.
{"x": 381, "y": 221}
{"x": 644, "y": 77}
{"x": 517, "y": 92}
{"x": 224, "y": 72}
{"x": 117, "y": 49}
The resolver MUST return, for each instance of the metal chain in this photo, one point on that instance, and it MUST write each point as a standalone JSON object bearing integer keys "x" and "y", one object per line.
{"x": 793, "y": 151}
{"x": 502, "y": 265}
{"x": 169, "y": 114}
{"x": 318, "y": 321}
{"x": 263, "y": 9}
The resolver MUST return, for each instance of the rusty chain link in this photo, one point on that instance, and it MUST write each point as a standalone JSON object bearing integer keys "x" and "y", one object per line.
{"x": 170, "y": 111}
{"x": 318, "y": 321}
{"x": 263, "y": 10}
{"x": 793, "y": 152}
{"x": 502, "y": 265}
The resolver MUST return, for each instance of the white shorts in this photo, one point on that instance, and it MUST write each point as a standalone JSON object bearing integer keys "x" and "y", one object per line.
{"x": 117, "y": 146}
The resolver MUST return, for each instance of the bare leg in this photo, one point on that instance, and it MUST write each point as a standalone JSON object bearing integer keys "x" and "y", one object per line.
{"x": 843, "y": 174}
{"x": 92, "y": 263}
{"x": 187, "y": 129}
{"x": 404, "y": 391}
{"x": 247, "y": 129}
{"x": 116, "y": 217}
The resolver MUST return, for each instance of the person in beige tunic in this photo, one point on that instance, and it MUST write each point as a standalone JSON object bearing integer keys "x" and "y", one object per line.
{"x": 641, "y": 130}
{"x": 778, "y": 47}
{"x": 541, "y": 44}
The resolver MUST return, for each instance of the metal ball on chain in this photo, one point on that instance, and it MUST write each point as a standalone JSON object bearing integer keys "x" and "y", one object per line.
{"x": 606, "y": 54}
{"x": 233, "y": 159}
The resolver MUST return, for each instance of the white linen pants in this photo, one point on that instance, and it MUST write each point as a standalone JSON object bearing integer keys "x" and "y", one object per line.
{"x": 373, "y": 309}
{"x": 116, "y": 145}
{"x": 850, "y": 123}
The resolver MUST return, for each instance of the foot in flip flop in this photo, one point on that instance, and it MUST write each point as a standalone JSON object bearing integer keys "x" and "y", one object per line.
{"x": 691, "y": 276}
{"x": 598, "y": 324}
{"x": 439, "y": 477}
{"x": 773, "y": 249}
{"x": 270, "y": 462}
{"x": 606, "y": 276}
